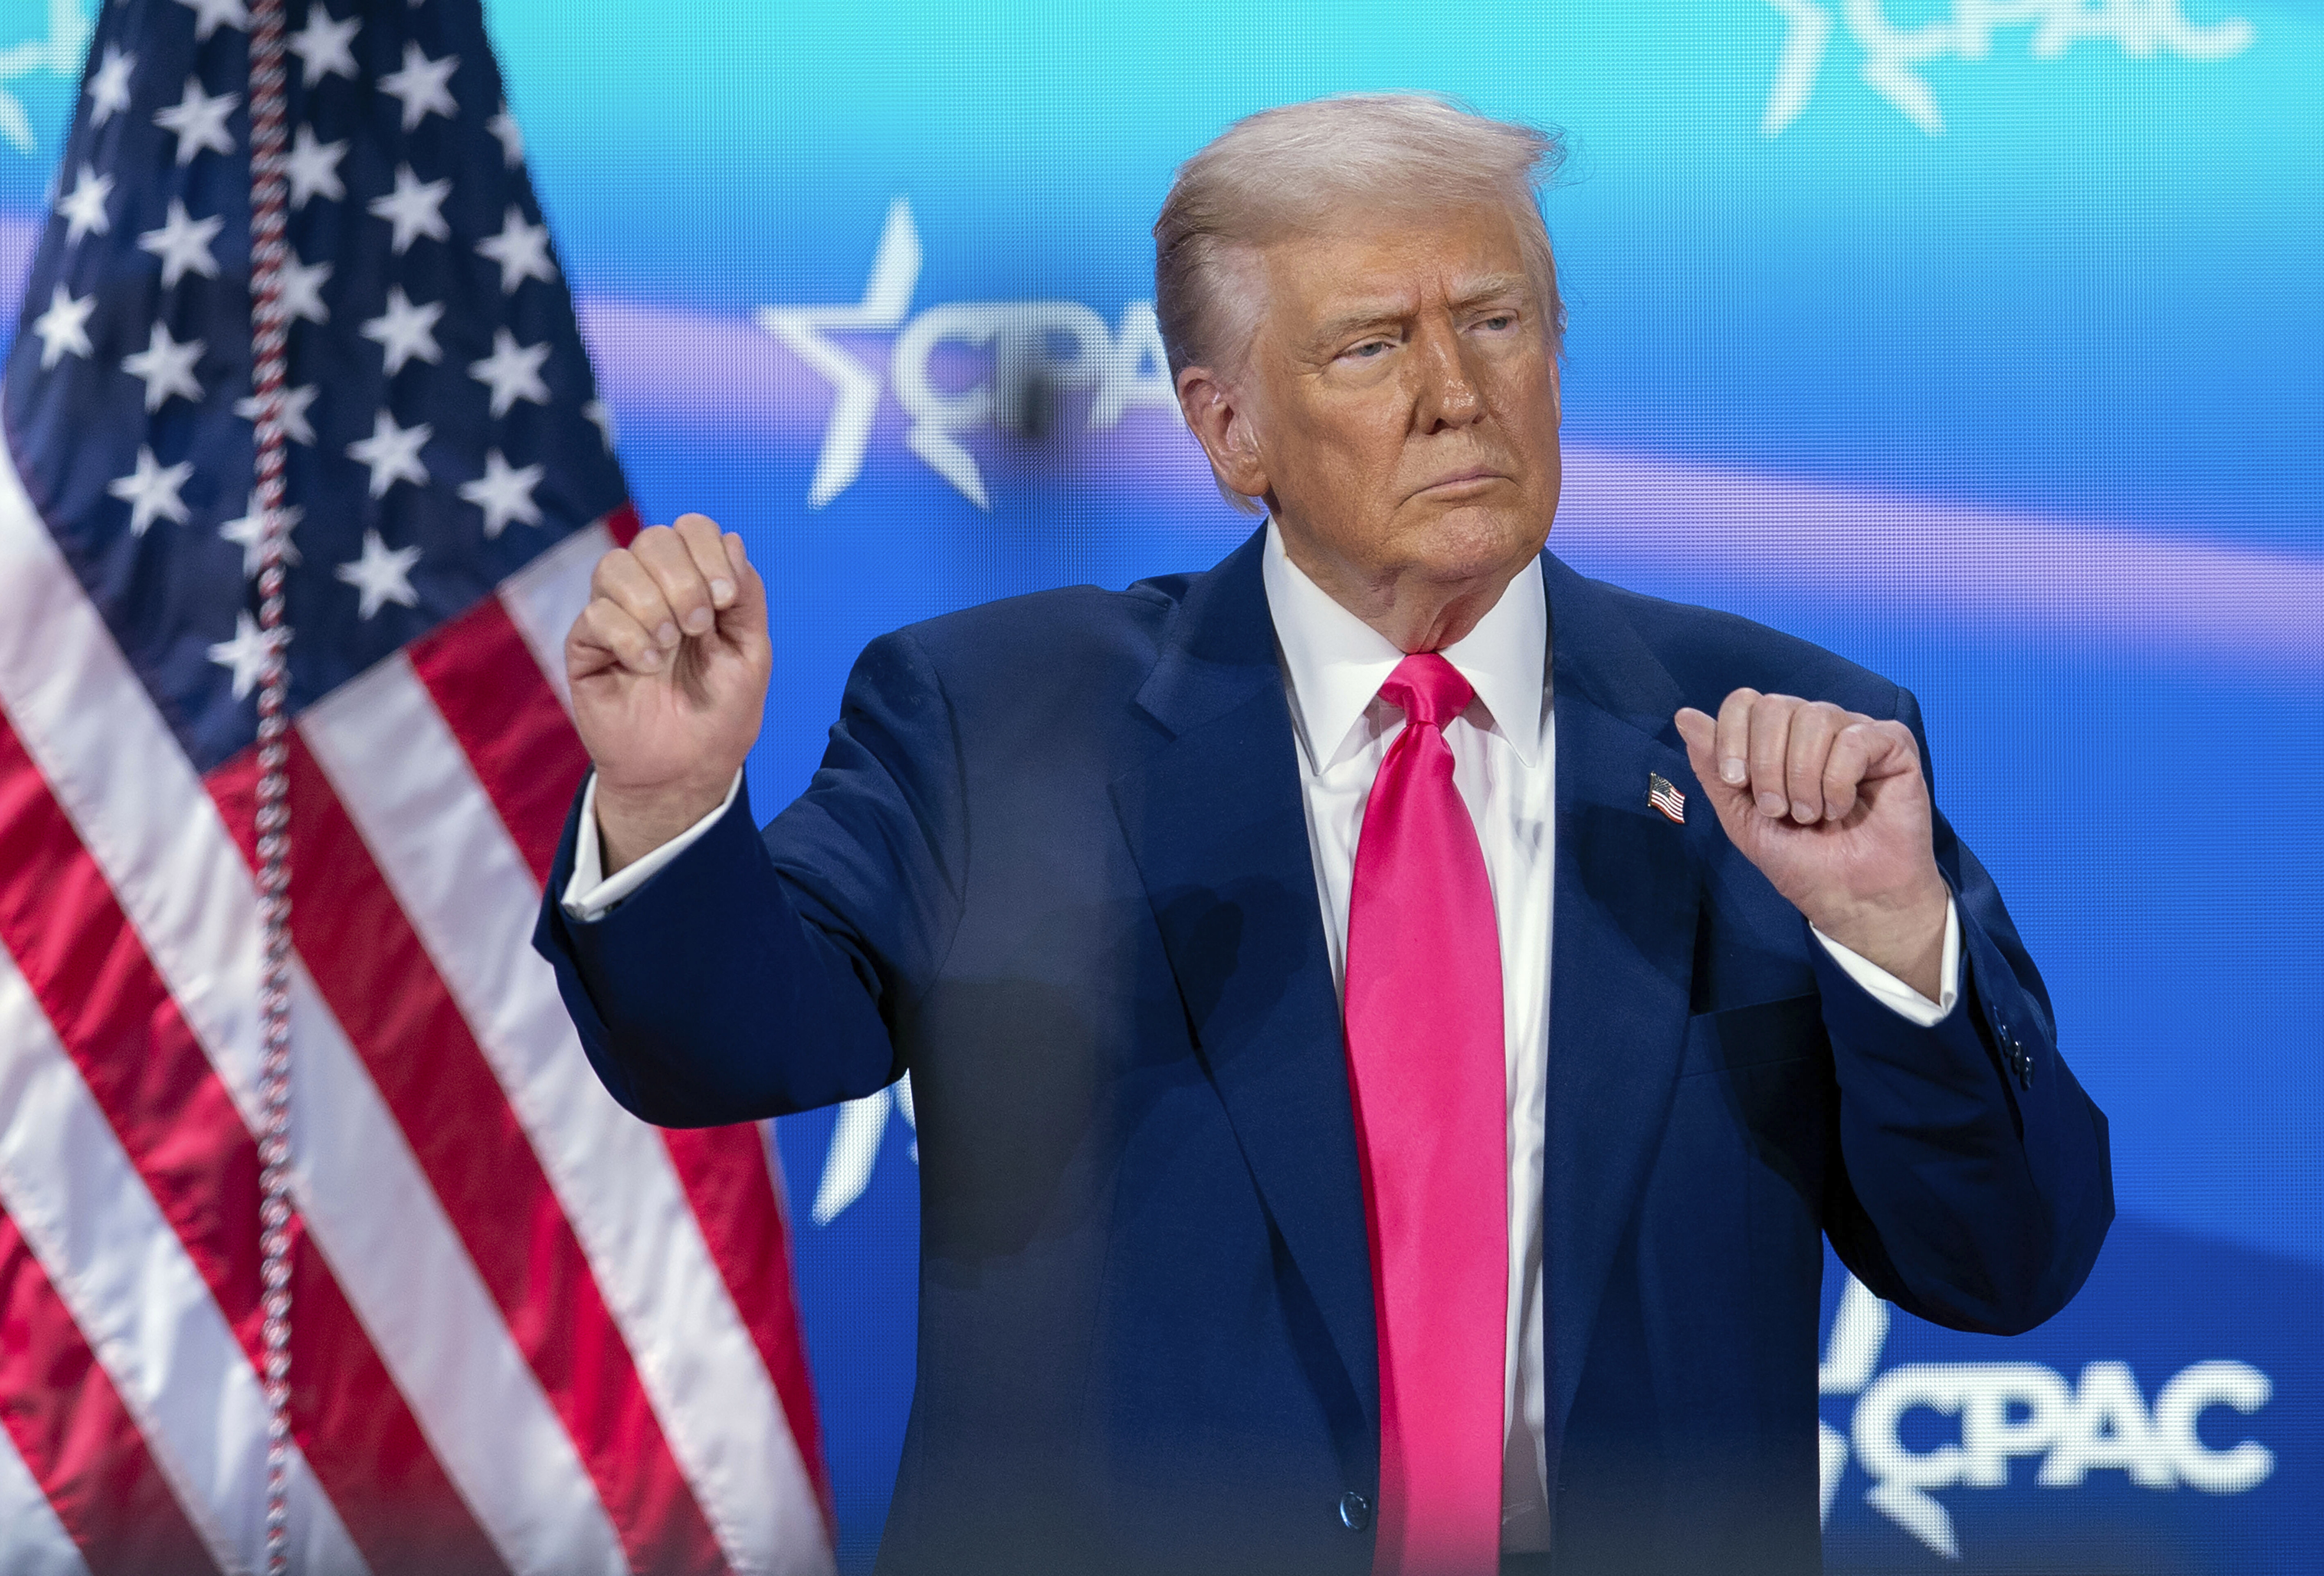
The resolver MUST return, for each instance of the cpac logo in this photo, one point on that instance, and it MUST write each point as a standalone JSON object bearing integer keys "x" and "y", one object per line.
{"x": 2100, "y": 1422}
{"x": 1040, "y": 351}
{"x": 2139, "y": 28}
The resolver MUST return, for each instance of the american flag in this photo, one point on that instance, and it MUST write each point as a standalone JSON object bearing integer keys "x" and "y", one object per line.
{"x": 528, "y": 1333}
{"x": 1661, "y": 796}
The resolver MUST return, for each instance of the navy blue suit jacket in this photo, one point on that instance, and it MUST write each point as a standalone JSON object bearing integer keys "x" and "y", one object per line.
{"x": 1055, "y": 865}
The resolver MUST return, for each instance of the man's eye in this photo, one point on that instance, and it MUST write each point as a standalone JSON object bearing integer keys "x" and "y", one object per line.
{"x": 1369, "y": 349}
{"x": 1500, "y": 320}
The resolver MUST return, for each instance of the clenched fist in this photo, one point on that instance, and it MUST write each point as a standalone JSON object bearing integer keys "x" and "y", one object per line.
{"x": 668, "y": 666}
{"x": 1833, "y": 809}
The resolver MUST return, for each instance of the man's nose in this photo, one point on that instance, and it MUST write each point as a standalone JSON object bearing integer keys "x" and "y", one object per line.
{"x": 1448, "y": 394}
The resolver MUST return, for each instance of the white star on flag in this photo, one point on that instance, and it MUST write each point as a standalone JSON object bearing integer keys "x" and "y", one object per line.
{"x": 393, "y": 453}
{"x": 293, "y": 414}
{"x": 109, "y": 85}
{"x": 248, "y": 534}
{"x": 199, "y": 121}
{"x": 423, "y": 85}
{"x": 381, "y": 575}
{"x": 406, "y": 332}
{"x": 83, "y": 207}
{"x": 63, "y": 328}
{"x": 520, "y": 249}
{"x": 602, "y": 415}
{"x": 322, "y": 49}
{"x": 415, "y": 207}
{"x": 167, "y": 365}
{"x": 503, "y": 124}
{"x": 302, "y": 290}
{"x": 183, "y": 245}
{"x": 504, "y": 493}
{"x": 312, "y": 167}
{"x": 513, "y": 372}
{"x": 209, "y": 13}
{"x": 152, "y": 491}
{"x": 247, "y": 653}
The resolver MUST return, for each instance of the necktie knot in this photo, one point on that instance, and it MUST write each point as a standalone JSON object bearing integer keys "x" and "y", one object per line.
{"x": 1428, "y": 690}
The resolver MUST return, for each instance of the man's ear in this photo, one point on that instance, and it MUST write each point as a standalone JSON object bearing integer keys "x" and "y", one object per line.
{"x": 1221, "y": 423}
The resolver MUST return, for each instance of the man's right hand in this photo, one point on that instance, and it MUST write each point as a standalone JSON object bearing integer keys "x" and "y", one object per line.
{"x": 668, "y": 667}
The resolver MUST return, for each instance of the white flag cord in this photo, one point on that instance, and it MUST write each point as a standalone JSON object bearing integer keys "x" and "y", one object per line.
{"x": 269, "y": 341}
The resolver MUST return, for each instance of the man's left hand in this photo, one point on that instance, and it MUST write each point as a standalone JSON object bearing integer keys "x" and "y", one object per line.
{"x": 1832, "y": 807}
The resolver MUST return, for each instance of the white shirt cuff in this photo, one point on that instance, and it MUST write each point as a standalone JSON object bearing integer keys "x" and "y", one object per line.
{"x": 1893, "y": 992}
{"x": 591, "y": 894}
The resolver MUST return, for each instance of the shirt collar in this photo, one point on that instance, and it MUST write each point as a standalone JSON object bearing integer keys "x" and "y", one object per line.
{"x": 1337, "y": 662}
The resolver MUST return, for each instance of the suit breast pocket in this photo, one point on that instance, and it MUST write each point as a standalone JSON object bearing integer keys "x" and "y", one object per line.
{"x": 1763, "y": 1034}
{"x": 1757, "y": 1088}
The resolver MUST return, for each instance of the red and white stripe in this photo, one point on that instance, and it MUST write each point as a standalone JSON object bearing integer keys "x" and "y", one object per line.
{"x": 38, "y": 1544}
{"x": 132, "y": 1293}
{"x": 534, "y": 1333}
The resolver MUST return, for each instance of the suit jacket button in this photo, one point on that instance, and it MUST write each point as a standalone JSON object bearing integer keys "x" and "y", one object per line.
{"x": 1355, "y": 1512}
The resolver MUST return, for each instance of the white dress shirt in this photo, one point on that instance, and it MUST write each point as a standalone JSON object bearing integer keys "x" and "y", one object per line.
{"x": 1504, "y": 749}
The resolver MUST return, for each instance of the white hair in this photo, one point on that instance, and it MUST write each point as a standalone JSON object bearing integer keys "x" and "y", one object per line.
{"x": 1284, "y": 171}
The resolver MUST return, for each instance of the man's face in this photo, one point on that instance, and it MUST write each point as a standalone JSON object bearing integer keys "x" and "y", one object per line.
{"x": 1402, "y": 404}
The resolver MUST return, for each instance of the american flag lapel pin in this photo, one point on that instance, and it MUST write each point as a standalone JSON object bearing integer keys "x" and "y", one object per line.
{"x": 1662, "y": 797}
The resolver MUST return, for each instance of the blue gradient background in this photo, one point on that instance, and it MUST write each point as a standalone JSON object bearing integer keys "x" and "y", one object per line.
{"x": 2028, "y": 415}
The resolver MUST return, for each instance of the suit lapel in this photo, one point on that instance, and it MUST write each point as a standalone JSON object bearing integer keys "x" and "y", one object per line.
{"x": 1215, "y": 822}
{"x": 1622, "y": 953}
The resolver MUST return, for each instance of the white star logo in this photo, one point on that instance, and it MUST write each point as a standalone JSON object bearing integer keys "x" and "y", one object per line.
{"x": 502, "y": 125}
{"x": 520, "y": 249}
{"x": 83, "y": 207}
{"x": 513, "y": 372}
{"x": 504, "y": 493}
{"x": 151, "y": 491}
{"x": 248, "y": 652}
{"x": 415, "y": 207}
{"x": 167, "y": 366}
{"x": 183, "y": 245}
{"x": 293, "y": 413}
{"x": 302, "y": 290}
{"x": 856, "y": 389}
{"x": 109, "y": 85}
{"x": 381, "y": 575}
{"x": 393, "y": 453}
{"x": 322, "y": 47}
{"x": 423, "y": 85}
{"x": 199, "y": 121}
{"x": 1804, "y": 39}
{"x": 249, "y": 534}
{"x": 1040, "y": 351}
{"x": 63, "y": 328}
{"x": 406, "y": 332}
{"x": 602, "y": 415}
{"x": 312, "y": 167}
{"x": 854, "y": 1149}
{"x": 210, "y": 14}
{"x": 1892, "y": 52}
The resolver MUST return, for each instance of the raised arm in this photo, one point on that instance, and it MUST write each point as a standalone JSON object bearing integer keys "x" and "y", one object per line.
{"x": 1975, "y": 1186}
{"x": 736, "y": 981}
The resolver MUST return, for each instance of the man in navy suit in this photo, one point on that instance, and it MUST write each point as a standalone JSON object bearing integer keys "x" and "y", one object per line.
{"x": 1391, "y": 1021}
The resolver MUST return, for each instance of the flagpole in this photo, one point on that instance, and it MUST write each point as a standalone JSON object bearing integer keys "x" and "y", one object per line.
{"x": 269, "y": 333}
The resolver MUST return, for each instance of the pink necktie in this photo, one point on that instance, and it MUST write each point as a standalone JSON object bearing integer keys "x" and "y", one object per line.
{"x": 1425, "y": 1062}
